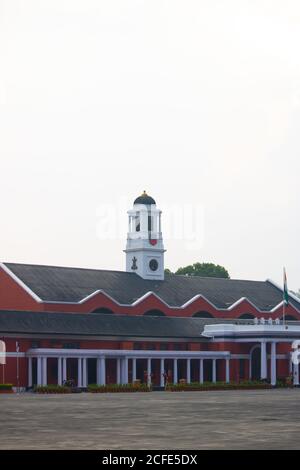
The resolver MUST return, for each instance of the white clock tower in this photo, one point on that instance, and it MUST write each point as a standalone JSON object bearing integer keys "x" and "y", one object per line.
{"x": 145, "y": 249}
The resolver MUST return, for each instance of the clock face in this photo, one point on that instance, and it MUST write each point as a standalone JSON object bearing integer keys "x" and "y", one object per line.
{"x": 153, "y": 265}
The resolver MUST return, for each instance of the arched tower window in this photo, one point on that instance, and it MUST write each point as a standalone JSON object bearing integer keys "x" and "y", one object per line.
{"x": 154, "y": 313}
{"x": 203, "y": 314}
{"x": 137, "y": 223}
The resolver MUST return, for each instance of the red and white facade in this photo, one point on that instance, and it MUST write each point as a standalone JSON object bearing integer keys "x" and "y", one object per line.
{"x": 224, "y": 351}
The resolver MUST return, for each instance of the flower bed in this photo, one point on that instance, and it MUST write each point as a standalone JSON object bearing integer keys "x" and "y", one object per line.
{"x": 196, "y": 386}
{"x": 118, "y": 388}
{"x": 52, "y": 389}
{"x": 6, "y": 388}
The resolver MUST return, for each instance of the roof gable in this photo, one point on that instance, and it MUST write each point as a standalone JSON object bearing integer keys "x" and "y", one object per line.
{"x": 74, "y": 285}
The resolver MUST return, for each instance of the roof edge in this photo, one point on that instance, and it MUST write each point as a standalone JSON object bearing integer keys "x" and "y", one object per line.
{"x": 290, "y": 294}
{"x": 20, "y": 283}
{"x": 148, "y": 294}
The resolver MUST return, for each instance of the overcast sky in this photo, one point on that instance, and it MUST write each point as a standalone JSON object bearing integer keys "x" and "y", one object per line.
{"x": 196, "y": 101}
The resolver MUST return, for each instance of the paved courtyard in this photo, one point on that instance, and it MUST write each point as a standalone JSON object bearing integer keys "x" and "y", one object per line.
{"x": 200, "y": 420}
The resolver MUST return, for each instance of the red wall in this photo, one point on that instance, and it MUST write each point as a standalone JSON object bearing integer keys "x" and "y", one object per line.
{"x": 14, "y": 297}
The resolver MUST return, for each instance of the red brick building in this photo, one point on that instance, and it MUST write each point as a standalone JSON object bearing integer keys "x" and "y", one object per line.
{"x": 98, "y": 326}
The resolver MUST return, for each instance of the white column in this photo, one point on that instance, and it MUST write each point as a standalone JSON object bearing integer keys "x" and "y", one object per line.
{"x": 273, "y": 364}
{"x": 227, "y": 371}
{"x": 102, "y": 371}
{"x": 162, "y": 371}
{"x": 124, "y": 370}
{"x": 39, "y": 371}
{"x": 64, "y": 369}
{"x": 44, "y": 368}
{"x": 290, "y": 364}
{"x": 263, "y": 361}
{"x": 30, "y": 372}
{"x": 201, "y": 371}
{"x": 188, "y": 371}
{"x": 84, "y": 372}
{"x": 155, "y": 224}
{"x": 214, "y": 370}
{"x": 98, "y": 371}
{"x": 144, "y": 220}
{"x": 118, "y": 370}
{"x": 133, "y": 369}
{"x": 59, "y": 371}
{"x": 79, "y": 373}
{"x": 175, "y": 373}
{"x": 149, "y": 371}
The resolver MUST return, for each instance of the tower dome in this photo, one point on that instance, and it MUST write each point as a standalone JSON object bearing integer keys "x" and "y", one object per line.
{"x": 144, "y": 199}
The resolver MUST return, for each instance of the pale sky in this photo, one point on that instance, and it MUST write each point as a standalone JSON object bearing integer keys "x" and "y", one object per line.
{"x": 196, "y": 101}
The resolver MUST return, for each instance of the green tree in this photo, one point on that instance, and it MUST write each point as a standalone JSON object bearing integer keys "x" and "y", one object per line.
{"x": 168, "y": 271}
{"x": 204, "y": 270}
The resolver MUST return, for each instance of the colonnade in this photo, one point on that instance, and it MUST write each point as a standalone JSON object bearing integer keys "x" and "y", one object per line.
{"x": 122, "y": 368}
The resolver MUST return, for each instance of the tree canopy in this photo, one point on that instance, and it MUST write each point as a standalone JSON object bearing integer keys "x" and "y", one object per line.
{"x": 168, "y": 271}
{"x": 203, "y": 269}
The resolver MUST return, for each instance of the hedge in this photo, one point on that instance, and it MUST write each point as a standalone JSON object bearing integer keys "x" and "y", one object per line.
{"x": 118, "y": 388}
{"x": 197, "y": 386}
{"x": 6, "y": 387}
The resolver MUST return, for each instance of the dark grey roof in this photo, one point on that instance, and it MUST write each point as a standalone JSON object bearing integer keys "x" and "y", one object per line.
{"x": 91, "y": 324}
{"x": 63, "y": 284}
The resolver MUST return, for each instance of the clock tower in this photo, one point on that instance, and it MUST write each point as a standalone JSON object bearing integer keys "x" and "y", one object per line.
{"x": 145, "y": 249}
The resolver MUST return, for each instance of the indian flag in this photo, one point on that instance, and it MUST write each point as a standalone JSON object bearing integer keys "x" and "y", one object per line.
{"x": 285, "y": 288}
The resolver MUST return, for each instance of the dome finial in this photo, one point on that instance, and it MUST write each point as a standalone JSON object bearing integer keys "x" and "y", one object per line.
{"x": 145, "y": 199}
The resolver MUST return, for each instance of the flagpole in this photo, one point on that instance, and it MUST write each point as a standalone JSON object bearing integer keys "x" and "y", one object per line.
{"x": 285, "y": 295}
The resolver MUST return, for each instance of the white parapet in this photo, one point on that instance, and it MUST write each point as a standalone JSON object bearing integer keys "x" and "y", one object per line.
{"x": 255, "y": 330}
